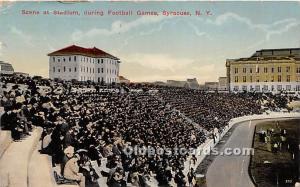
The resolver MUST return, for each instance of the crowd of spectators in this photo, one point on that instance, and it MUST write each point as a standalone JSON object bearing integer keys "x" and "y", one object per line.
{"x": 101, "y": 122}
{"x": 214, "y": 110}
{"x": 211, "y": 110}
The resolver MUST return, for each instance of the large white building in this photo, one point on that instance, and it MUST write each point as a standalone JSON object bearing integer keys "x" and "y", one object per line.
{"x": 84, "y": 64}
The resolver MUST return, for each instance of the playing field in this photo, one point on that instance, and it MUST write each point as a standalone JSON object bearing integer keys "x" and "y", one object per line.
{"x": 271, "y": 166}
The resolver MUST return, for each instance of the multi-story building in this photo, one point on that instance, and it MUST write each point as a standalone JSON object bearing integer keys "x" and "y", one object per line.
{"x": 176, "y": 83}
{"x": 211, "y": 86}
{"x": 84, "y": 64}
{"x": 223, "y": 86}
{"x": 6, "y": 68}
{"x": 267, "y": 70}
{"x": 193, "y": 83}
{"x": 189, "y": 83}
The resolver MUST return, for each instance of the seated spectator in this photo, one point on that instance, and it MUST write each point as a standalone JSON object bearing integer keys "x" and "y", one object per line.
{"x": 71, "y": 171}
{"x": 89, "y": 173}
{"x": 105, "y": 120}
{"x": 68, "y": 154}
{"x": 117, "y": 179}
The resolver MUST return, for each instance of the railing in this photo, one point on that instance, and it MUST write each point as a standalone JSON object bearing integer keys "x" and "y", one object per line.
{"x": 210, "y": 143}
{"x": 1, "y": 113}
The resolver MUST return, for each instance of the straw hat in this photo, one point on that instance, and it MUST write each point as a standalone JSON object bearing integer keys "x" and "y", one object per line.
{"x": 69, "y": 151}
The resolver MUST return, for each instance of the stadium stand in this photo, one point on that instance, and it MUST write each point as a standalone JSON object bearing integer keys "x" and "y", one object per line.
{"x": 88, "y": 128}
{"x": 5, "y": 141}
{"x": 14, "y": 161}
{"x": 41, "y": 172}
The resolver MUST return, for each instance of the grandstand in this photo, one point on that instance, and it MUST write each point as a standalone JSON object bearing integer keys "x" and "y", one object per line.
{"x": 91, "y": 128}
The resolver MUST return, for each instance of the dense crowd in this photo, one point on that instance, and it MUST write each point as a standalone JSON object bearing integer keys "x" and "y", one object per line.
{"x": 211, "y": 110}
{"x": 101, "y": 123}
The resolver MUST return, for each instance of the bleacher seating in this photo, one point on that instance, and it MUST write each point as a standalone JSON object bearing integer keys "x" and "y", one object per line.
{"x": 104, "y": 123}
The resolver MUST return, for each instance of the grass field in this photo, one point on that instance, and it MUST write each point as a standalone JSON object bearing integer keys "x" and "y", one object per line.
{"x": 281, "y": 168}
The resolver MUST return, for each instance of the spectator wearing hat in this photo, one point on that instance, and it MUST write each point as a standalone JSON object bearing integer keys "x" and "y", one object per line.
{"x": 71, "y": 171}
{"x": 68, "y": 154}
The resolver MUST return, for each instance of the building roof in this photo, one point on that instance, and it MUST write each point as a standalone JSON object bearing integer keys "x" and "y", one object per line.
{"x": 277, "y": 52}
{"x": 280, "y": 49}
{"x": 123, "y": 78}
{"x": 4, "y": 63}
{"x": 77, "y": 50}
{"x": 272, "y": 54}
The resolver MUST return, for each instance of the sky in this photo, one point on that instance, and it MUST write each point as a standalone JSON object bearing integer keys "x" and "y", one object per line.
{"x": 151, "y": 48}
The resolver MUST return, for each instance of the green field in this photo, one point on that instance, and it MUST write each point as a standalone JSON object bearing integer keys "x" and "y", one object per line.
{"x": 271, "y": 167}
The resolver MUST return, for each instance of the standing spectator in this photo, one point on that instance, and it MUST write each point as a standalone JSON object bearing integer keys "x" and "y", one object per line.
{"x": 179, "y": 179}
{"x": 191, "y": 177}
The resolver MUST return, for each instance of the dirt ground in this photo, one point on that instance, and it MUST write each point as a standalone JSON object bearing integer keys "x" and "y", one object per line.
{"x": 281, "y": 168}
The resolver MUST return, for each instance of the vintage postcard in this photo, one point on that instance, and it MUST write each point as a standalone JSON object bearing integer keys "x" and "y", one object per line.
{"x": 149, "y": 93}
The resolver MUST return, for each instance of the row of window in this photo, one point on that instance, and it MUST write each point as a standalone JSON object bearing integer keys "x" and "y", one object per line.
{"x": 82, "y": 59}
{"x": 88, "y": 70}
{"x": 266, "y": 70}
{"x": 6, "y": 68}
{"x": 279, "y": 79}
{"x": 109, "y": 80}
{"x": 266, "y": 88}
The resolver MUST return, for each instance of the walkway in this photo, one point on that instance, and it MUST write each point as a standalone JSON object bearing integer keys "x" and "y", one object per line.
{"x": 233, "y": 170}
{"x": 14, "y": 161}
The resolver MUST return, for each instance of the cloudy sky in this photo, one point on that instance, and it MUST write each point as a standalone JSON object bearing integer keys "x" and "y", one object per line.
{"x": 150, "y": 47}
